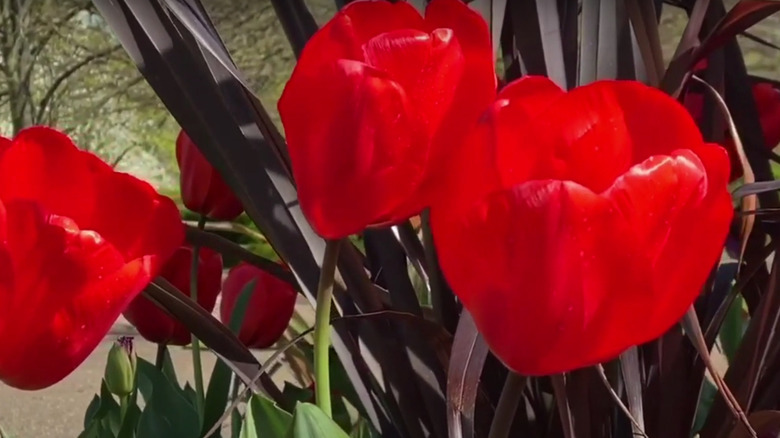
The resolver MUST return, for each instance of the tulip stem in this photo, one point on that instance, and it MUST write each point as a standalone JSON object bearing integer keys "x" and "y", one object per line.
{"x": 322, "y": 326}
{"x": 507, "y": 405}
{"x": 197, "y": 365}
{"x": 124, "y": 405}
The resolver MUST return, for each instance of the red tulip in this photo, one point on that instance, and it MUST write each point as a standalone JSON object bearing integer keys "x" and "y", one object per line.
{"x": 269, "y": 310}
{"x": 767, "y": 99}
{"x": 78, "y": 241}
{"x": 376, "y": 106}
{"x": 591, "y": 222}
{"x": 202, "y": 188}
{"x": 156, "y": 325}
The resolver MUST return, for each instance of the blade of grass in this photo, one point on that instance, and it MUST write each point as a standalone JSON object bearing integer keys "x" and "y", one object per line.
{"x": 642, "y": 15}
{"x": 511, "y": 396}
{"x": 693, "y": 330}
{"x": 297, "y": 21}
{"x": 631, "y": 369}
{"x": 589, "y": 41}
{"x": 469, "y": 352}
{"x": 229, "y": 248}
{"x": 561, "y": 400}
{"x": 389, "y": 269}
{"x": 638, "y": 428}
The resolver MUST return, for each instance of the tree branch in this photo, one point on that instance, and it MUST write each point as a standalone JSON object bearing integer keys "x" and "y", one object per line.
{"x": 46, "y": 100}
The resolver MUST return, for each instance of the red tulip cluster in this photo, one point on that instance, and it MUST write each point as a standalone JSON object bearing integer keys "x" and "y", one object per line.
{"x": 266, "y": 317}
{"x": 273, "y": 301}
{"x": 572, "y": 225}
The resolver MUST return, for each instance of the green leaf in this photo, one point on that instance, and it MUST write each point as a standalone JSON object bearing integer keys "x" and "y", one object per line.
{"x": 310, "y": 422}
{"x": 708, "y": 393}
{"x": 92, "y": 410}
{"x": 190, "y": 394}
{"x": 96, "y": 430}
{"x": 168, "y": 368}
{"x": 130, "y": 422}
{"x": 294, "y": 394}
{"x": 265, "y": 419}
{"x": 103, "y": 416}
{"x": 733, "y": 328}
{"x": 340, "y": 384}
{"x": 219, "y": 382}
{"x": 168, "y": 413}
{"x": 363, "y": 429}
{"x": 248, "y": 428}
{"x": 109, "y": 414}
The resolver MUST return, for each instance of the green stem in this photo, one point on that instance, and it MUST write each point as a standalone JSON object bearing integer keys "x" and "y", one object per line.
{"x": 235, "y": 417}
{"x": 507, "y": 405}
{"x": 196, "y": 361}
{"x": 124, "y": 405}
{"x": 322, "y": 327}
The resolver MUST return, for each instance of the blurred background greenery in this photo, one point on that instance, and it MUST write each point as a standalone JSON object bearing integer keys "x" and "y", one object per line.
{"x": 60, "y": 66}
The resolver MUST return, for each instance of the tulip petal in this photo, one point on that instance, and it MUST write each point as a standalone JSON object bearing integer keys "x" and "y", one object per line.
{"x": 656, "y": 124}
{"x": 134, "y": 218}
{"x": 343, "y": 36}
{"x": 427, "y": 67}
{"x": 203, "y": 190}
{"x": 500, "y": 152}
{"x": 44, "y": 165}
{"x": 269, "y": 309}
{"x": 6, "y": 266}
{"x": 522, "y": 150}
{"x": 70, "y": 287}
{"x": 5, "y": 143}
{"x": 768, "y": 105}
{"x": 375, "y": 152}
{"x": 652, "y": 198}
{"x": 474, "y": 94}
{"x": 532, "y": 314}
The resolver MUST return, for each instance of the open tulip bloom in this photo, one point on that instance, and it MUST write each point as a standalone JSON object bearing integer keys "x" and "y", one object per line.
{"x": 593, "y": 219}
{"x": 78, "y": 241}
{"x": 404, "y": 90}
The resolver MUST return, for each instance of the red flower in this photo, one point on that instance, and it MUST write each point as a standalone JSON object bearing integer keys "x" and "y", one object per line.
{"x": 156, "y": 325}
{"x": 269, "y": 310}
{"x": 767, "y": 99}
{"x": 591, "y": 223}
{"x": 78, "y": 241}
{"x": 202, "y": 188}
{"x": 378, "y": 103}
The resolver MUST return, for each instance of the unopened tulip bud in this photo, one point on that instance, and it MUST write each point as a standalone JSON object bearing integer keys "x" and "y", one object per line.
{"x": 120, "y": 367}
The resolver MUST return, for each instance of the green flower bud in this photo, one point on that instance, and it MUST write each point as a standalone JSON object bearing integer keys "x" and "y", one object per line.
{"x": 120, "y": 367}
